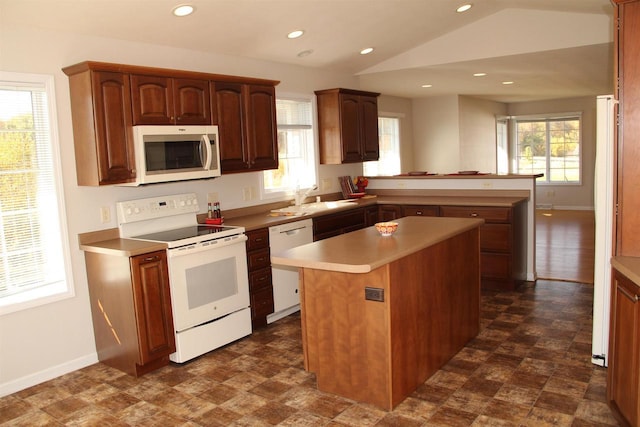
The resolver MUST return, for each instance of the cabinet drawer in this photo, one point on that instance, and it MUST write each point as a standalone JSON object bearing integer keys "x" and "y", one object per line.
{"x": 496, "y": 237}
{"x": 257, "y": 239}
{"x": 258, "y": 259}
{"x": 260, "y": 279}
{"x": 339, "y": 221}
{"x": 262, "y": 303}
{"x": 489, "y": 214}
{"x": 418, "y": 210}
{"x": 495, "y": 265}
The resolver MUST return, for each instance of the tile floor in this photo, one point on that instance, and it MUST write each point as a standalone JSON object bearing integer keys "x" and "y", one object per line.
{"x": 529, "y": 366}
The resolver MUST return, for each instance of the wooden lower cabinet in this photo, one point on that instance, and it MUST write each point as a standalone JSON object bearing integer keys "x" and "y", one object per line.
{"x": 259, "y": 270}
{"x": 131, "y": 310}
{"x": 389, "y": 212}
{"x": 334, "y": 224}
{"x": 623, "y": 373}
{"x": 501, "y": 259}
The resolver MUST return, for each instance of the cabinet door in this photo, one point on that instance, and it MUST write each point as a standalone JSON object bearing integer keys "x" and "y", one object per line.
{"x": 152, "y": 100}
{"x": 261, "y": 127}
{"x": 191, "y": 102}
{"x": 231, "y": 128}
{"x": 350, "y": 128}
{"x": 114, "y": 141}
{"x": 370, "y": 215}
{"x": 389, "y": 212}
{"x": 369, "y": 128}
{"x": 152, "y": 301}
{"x": 624, "y": 360}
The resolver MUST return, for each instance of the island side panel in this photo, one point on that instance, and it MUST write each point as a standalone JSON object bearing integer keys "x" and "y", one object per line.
{"x": 346, "y": 337}
{"x": 435, "y": 309}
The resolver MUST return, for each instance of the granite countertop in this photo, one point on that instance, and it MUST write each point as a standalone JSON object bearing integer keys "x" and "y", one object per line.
{"x": 364, "y": 250}
{"x": 629, "y": 266}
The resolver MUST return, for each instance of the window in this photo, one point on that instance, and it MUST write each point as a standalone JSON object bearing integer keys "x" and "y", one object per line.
{"x": 550, "y": 146}
{"x": 296, "y": 152}
{"x": 389, "y": 136}
{"x": 32, "y": 262}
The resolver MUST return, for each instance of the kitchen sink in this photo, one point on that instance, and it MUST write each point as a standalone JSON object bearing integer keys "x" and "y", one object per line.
{"x": 307, "y": 208}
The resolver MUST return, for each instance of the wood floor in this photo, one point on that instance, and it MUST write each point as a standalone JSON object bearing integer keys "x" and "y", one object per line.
{"x": 565, "y": 245}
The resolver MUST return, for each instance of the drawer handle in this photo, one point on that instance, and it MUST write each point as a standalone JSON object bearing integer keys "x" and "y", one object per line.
{"x": 258, "y": 239}
{"x": 473, "y": 214}
{"x": 152, "y": 258}
{"x": 418, "y": 212}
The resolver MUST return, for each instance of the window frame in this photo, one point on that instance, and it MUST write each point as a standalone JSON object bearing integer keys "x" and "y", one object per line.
{"x": 289, "y": 192}
{"x": 54, "y": 292}
{"x": 544, "y": 180}
{"x": 398, "y": 117}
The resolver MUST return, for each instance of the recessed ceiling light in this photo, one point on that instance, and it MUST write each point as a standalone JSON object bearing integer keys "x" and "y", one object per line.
{"x": 427, "y": 85}
{"x": 366, "y": 51}
{"x": 507, "y": 83}
{"x": 295, "y": 34}
{"x": 305, "y": 53}
{"x": 183, "y": 10}
{"x": 464, "y": 8}
{"x": 479, "y": 74}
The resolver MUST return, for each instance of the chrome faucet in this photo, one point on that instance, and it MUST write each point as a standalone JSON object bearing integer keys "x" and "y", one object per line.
{"x": 300, "y": 196}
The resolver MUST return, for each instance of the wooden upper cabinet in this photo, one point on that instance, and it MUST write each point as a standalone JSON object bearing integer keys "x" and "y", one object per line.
{"x": 348, "y": 126}
{"x": 159, "y": 100}
{"x": 101, "y": 115}
{"x": 627, "y": 53}
{"x": 262, "y": 134}
{"x": 107, "y": 100}
{"x": 246, "y": 117}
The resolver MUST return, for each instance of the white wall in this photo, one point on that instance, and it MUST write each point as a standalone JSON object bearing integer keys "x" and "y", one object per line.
{"x": 569, "y": 196}
{"x": 478, "y": 133}
{"x": 46, "y": 341}
{"x": 436, "y": 135}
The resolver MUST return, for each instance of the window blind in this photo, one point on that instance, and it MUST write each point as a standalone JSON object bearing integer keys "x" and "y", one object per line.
{"x": 30, "y": 243}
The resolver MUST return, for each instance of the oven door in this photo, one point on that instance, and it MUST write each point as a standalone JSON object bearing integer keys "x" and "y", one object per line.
{"x": 208, "y": 281}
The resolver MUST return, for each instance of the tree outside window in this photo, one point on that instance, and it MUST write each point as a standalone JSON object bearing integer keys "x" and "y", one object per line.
{"x": 550, "y": 147}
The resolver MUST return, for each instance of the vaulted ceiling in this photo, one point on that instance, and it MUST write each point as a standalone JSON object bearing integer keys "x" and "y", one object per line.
{"x": 548, "y": 48}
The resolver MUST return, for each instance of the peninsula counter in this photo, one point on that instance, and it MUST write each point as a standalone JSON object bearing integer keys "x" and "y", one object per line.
{"x": 380, "y": 315}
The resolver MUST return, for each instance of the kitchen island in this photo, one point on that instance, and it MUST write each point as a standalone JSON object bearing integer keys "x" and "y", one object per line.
{"x": 380, "y": 315}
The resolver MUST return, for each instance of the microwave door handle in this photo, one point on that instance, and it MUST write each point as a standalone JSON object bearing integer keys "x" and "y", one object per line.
{"x": 206, "y": 143}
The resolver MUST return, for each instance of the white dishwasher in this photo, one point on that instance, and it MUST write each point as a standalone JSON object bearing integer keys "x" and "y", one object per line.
{"x": 286, "y": 296}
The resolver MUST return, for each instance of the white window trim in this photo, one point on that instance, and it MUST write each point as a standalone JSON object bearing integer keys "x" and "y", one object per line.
{"x": 514, "y": 142}
{"x": 284, "y": 195}
{"x": 52, "y": 293}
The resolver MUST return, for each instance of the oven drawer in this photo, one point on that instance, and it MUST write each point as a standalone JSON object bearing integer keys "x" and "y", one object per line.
{"x": 258, "y": 259}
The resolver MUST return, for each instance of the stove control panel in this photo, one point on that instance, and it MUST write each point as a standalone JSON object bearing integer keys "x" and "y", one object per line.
{"x": 156, "y": 207}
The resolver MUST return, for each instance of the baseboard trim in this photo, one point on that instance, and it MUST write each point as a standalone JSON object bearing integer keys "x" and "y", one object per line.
{"x": 47, "y": 374}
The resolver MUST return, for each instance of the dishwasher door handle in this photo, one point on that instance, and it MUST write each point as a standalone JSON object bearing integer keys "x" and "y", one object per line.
{"x": 292, "y": 231}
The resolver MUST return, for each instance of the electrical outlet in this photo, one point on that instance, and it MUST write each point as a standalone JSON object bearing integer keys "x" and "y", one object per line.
{"x": 105, "y": 214}
{"x": 254, "y": 193}
{"x": 401, "y": 185}
{"x": 487, "y": 184}
{"x": 246, "y": 194}
{"x": 212, "y": 198}
{"x": 551, "y": 193}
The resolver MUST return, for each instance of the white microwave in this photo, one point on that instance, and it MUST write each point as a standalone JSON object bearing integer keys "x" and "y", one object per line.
{"x": 175, "y": 153}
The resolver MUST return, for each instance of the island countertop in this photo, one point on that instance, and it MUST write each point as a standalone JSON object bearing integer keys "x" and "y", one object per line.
{"x": 365, "y": 250}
